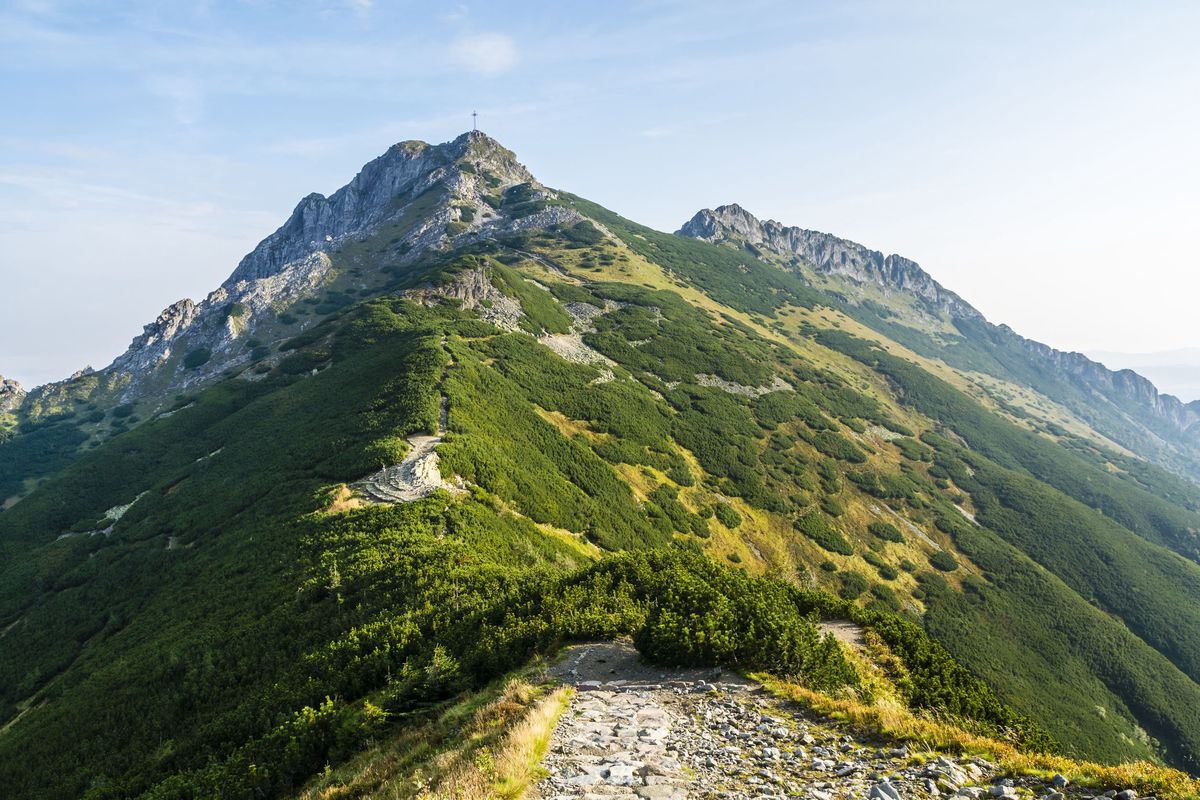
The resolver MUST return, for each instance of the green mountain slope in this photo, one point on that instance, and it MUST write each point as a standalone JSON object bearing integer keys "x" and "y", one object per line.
{"x": 1027, "y": 380}
{"x": 595, "y": 428}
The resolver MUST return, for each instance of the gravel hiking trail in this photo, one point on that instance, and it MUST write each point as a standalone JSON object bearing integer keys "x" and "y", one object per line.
{"x": 637, "y": 731}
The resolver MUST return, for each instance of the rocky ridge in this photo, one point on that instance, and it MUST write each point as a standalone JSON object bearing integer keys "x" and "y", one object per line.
{"x": 464, "y": 169}
{"x": 1158, "y": 419}
{"x": 1122, "y": 383}
{"x": 428, "y": 197}
{"x": 826, "y": 254}
{"x": 11, "y": 395}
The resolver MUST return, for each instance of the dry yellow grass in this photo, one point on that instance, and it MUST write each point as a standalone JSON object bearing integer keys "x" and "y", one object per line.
{"x": 343, "y": 500}
{"x": 485, "y": 747}
{"x": 885, "y": 714}
{"x": 518, "y": 760}
{"x": 505, "y": 772}
{"x": 569, "y": 427}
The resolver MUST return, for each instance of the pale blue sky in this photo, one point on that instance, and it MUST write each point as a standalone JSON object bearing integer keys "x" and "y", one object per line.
{"x": 1038, "y": 158}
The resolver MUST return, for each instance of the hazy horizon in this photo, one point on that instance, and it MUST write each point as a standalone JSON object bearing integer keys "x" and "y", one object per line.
{"x": 1037, "y": 161}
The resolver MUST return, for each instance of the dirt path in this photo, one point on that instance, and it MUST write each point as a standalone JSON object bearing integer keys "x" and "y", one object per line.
{"x": 637, "y": 731}
{"x": 844, "y": 631}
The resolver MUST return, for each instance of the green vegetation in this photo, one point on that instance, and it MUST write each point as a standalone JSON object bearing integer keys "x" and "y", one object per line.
{"x": 727, "y": 516}
{"x": 197, "y": 358}
{"x": 885, "y": 570}
{"x": 541, "y": 311}
{"x": 853, "y": 585}
{"x": 729, "y": 277}
{"x": 886, "y": 531}
{"x": 941, "y": 560}
{"x": 1023, "y": 502}
{"x": 821, "y": 530}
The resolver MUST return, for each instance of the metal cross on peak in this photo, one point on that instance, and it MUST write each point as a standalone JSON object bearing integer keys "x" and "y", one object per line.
{"x": 474, "y": 126}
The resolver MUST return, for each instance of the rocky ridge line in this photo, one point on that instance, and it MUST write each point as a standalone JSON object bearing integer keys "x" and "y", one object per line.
{"x": 441, "y": 196}
{"x": 828, "y": 254}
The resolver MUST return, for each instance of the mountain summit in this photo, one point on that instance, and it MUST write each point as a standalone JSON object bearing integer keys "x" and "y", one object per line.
{"x": 428, "y": 198}
{"x": 467, "y": 173}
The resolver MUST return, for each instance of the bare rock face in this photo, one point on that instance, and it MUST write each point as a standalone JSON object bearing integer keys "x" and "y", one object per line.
{"x": 11, "y": 395}
{"x": 1124, "y": 385}
{"x": 476, "y": 292}
{"x": 466, "y": 169}
{"x": 826, "y": 254}
{"x": 153, "y": 347}
{"x": 435, "y": 197}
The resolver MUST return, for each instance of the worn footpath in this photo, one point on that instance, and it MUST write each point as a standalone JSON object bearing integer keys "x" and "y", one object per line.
{"x": 637, "y": 731}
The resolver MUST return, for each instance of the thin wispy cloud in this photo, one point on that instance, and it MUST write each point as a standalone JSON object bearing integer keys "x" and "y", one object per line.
{"x": 487, "y": 54}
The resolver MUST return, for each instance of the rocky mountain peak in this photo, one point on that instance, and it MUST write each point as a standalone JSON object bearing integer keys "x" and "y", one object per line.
{"x": 718, "y": 224}
{"x": 466, "y": 168}
{"x": 414, "y": 198}
{"x": 825, "y": 254}
{"x": 154, "y": 344}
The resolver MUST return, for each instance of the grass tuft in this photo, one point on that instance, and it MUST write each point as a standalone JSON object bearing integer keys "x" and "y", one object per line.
{"x": 877, "y": 708}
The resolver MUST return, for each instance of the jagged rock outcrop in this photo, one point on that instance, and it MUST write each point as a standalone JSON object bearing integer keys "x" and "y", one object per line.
{"x": 476, "y": 292}
{"x": 826, "y": 254}
{"x": 427, "y": 197}
{"x": 11, "y": 395}
{"x": 153, "y": 346}
{"x": 1124, "y": 385}
{"x": 467, "y": 169}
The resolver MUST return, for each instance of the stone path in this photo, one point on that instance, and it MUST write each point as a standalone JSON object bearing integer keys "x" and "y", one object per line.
{"x": 615, "y": 740}
{"x": 635, "y": 731}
